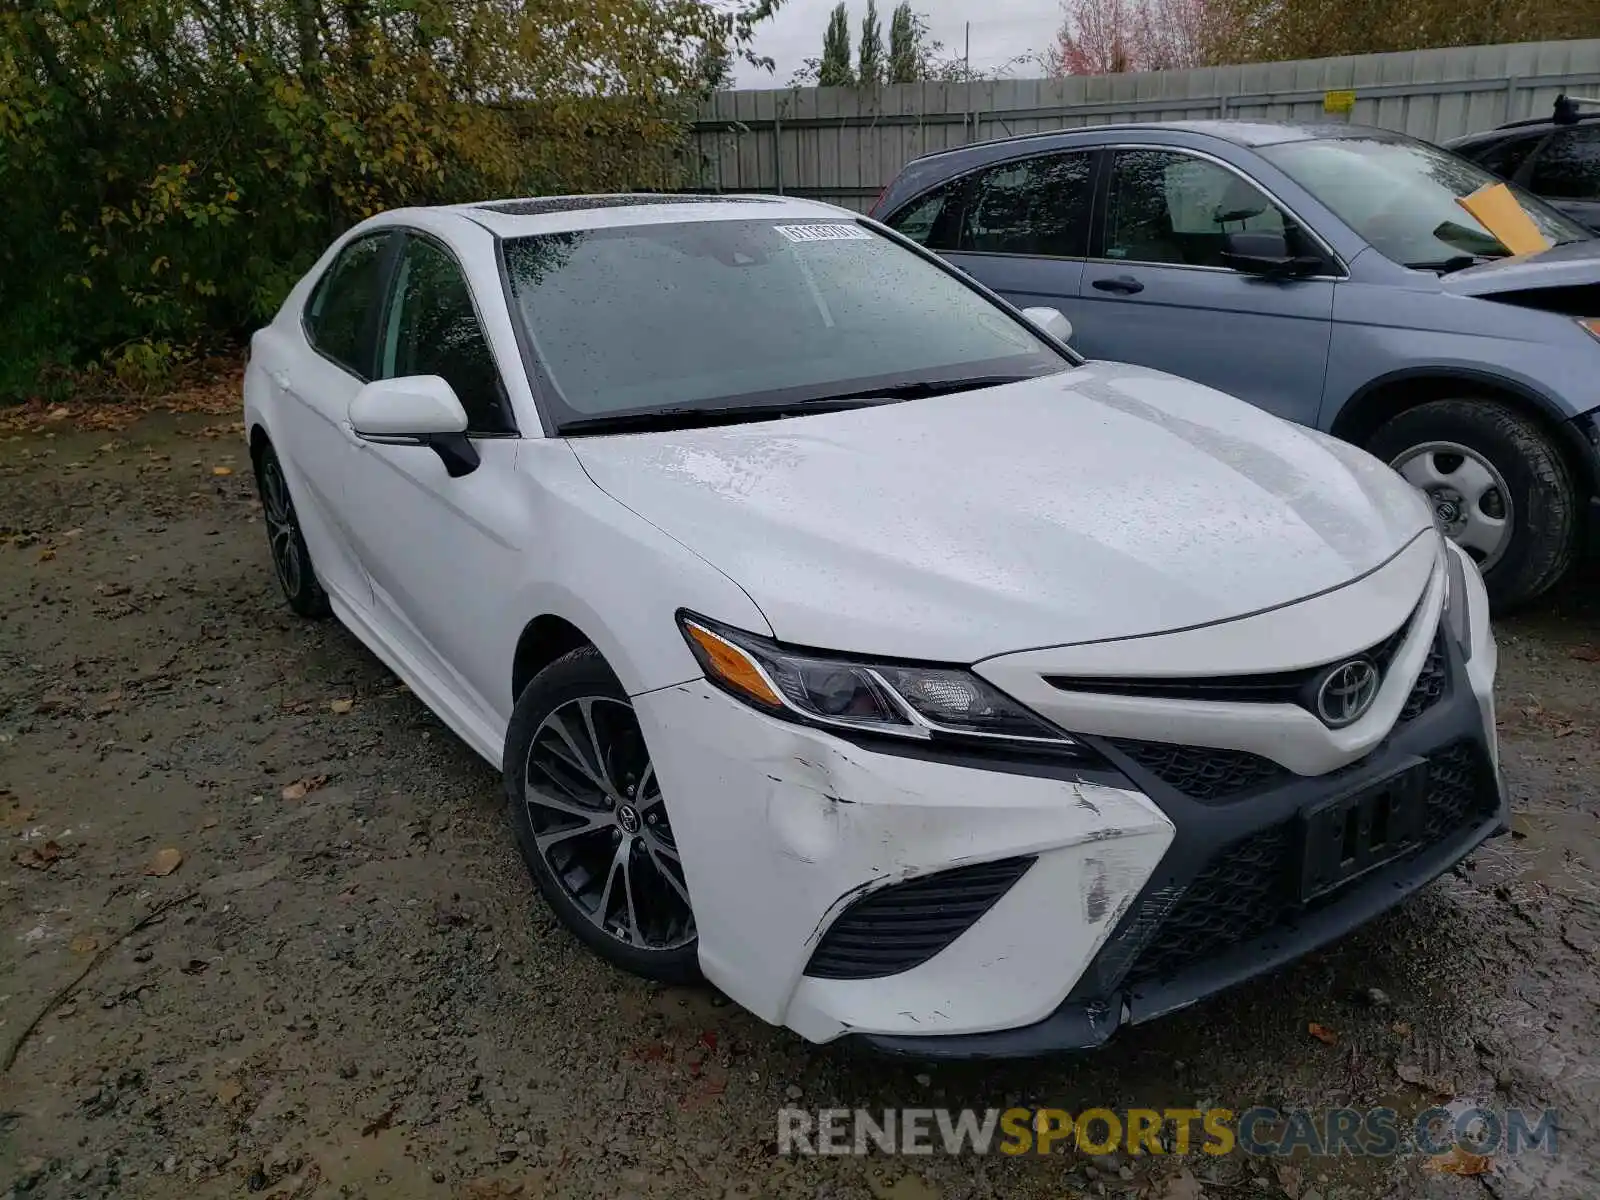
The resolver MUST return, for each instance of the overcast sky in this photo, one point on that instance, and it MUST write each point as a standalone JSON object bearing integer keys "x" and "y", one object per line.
{"x": 1001, "y": 29}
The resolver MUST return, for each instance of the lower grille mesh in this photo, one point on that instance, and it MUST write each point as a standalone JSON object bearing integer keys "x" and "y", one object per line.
{"x": 1247, "y": 889}
{"x": 1429, "y": 687}
{"x": 904, "y": 925}
{"x": 1203, "y": 772}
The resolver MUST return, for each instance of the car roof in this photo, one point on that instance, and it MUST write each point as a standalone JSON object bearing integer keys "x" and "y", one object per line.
{"x": 1240, "y": 133}
{"x": 523, "y": 216}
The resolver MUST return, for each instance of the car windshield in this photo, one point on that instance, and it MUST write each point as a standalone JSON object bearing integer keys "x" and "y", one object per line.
{"x": 1401, "y": 197}
{"x": 710, "y": 316}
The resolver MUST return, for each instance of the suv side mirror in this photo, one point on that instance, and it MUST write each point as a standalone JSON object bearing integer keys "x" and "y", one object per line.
{"x": 416, "y": 410}
{"x": 1264, "y": 253}
{"x": 1052, "y": 320}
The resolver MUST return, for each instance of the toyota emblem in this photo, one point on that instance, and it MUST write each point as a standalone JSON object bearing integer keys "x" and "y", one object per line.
{"x": 1346, "y": 692}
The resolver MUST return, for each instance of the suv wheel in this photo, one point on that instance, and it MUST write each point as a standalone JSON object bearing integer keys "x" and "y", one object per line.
{"x": 1498, "y": 485}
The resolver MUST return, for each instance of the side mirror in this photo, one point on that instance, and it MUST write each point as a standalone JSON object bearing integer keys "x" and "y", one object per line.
{"x": 1052, "y": 321}
{"x": 1264, "y": 253}
{"x": 416, "y": 410}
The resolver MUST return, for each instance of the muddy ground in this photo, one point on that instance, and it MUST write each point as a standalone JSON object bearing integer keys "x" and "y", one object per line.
{"x": 346, "y": 986}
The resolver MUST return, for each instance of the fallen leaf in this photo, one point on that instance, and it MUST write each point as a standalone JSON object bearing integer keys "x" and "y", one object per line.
{"x": 1401, "y": 1028}
{"x": 1323, "y": 1034}
{"x": 341, "y": 706}
{"x": 1182, "y": 1186}
{"x": 229, "y": 1090}
{"x": 1586, "y": 654}
{"x": 300, "y": 787}
{"x": 222, "y": 470}
{"x": 209, "y": 823}
{"x": 40, "y": 858}
{"x": 1410, "y": 1073}
{"x": 58, "y": 414}
{"x": 378, "y": 1124}
{"x": 165, "y": 862}
{"x": 1289, "y": 1180}
{"x": 84, "y": 943}
{"x": 46, "y": 555}
{"x": 1457, "y": 1161}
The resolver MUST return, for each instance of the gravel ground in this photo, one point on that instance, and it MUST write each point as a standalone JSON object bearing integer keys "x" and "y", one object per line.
{"x": 265, "y": 931}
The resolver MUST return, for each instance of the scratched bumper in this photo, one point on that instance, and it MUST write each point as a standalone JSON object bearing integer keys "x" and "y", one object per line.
{"x": 782, "y": 827}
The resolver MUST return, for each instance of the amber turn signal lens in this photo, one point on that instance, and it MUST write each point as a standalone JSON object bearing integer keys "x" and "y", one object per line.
{"x": 732, "y": 666}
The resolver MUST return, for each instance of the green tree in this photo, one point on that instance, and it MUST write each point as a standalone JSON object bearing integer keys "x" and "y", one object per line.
{"x": 834, "y": 70}
{"x": 905, "y": 45}
{"x": 1271, "y": 30}
{"x": 870, "y": 64}
{"x": 169, "y": 168}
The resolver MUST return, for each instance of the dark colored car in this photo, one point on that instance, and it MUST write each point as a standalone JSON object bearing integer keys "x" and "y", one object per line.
{"x": 1557, "y": 158}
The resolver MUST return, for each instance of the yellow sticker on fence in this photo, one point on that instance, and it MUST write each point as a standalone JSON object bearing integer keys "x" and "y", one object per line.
{"x": 1338, "y": 102}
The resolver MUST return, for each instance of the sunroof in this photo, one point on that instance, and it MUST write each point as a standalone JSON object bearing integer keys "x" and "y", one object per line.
{"x": 538, "y": 205}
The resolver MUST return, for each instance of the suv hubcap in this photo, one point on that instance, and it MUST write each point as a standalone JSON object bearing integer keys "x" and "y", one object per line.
{"x": 1470, "y": 499}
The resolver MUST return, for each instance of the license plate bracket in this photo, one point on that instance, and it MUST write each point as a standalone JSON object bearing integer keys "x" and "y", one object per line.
{"x": 1344, "y": 837}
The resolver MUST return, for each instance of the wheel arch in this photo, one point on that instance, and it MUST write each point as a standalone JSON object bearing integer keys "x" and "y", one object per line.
{"x": 543, "y": 640}
{"x": 259, "y": 440}
{"x": 1399, "y": 391}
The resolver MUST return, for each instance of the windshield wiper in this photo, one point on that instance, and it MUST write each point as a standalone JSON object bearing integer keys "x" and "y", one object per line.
{"x": 919, "y": 388}
{"x": 693, "y": 417}
{"x": 1459, "y": 262}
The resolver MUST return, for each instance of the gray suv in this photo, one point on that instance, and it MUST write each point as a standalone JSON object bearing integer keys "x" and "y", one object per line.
{"x": 1326, "y": 274}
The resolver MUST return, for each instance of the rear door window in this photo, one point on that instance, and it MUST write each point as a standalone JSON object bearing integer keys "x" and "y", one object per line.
{"x": 1568, "y": 168}
{"x": 341, "y": 319}
{"x": 1038, "y": 206}
{"x": 932, "y": 219}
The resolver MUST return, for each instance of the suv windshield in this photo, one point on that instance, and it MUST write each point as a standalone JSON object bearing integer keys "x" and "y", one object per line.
{"x": 1401, "y": 197}
{"x": 711, "y": 316}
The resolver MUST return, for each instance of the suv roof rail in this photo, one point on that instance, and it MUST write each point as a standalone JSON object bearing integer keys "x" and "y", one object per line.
{"x": 1565, "y": 111}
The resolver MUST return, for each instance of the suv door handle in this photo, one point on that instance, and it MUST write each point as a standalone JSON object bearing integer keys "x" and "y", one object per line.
{"x": 282, "y": 379}
{"x": 1125, "y": 285}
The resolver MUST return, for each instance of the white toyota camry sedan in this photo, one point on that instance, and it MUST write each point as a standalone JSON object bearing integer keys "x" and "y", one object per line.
{"x": 847, "y": 639}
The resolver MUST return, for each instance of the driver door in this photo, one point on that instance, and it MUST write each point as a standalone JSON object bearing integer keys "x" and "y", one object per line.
{"x": 440, "y": 552}
{"x": 1156, "y": 291}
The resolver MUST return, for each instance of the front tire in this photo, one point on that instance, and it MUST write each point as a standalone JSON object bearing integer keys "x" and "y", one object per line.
{"x": 1499, "y": 487}
{"x": 591, "y": 822}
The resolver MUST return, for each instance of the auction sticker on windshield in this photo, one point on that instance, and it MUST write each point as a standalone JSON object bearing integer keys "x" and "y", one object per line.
{"x": 824, "y": 233}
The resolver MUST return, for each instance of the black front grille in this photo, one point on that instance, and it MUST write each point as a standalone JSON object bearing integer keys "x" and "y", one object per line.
{"x": 1247, "y": 889}
{"x": 1239, "y": 895}
{"x": 904, "y": 925}
{"x": 1279, "y": 687}
{"x": 1460, "y": 791}
{"x": 1203, "y": 773}
{"x": 1430, "y": 684}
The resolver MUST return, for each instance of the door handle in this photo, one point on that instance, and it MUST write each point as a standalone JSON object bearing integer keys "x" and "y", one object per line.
{"x": 282, "y": 379}
{"x": 1125, "y": 285}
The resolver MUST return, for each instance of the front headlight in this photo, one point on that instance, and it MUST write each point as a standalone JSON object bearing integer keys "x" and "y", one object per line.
{"x": 915, "y": 702}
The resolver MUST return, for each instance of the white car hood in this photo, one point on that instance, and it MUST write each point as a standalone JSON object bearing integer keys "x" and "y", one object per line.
{"x": 1106, "y": 501}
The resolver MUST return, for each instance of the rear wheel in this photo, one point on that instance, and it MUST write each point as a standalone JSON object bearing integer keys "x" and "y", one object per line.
{"x": 1499, "y": 488}
{"x": 290, "y": 558}
{"x": 592, "y": 823}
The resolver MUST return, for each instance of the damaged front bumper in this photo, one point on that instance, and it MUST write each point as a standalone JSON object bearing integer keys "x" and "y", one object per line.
{"x": 781, "y": 828}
